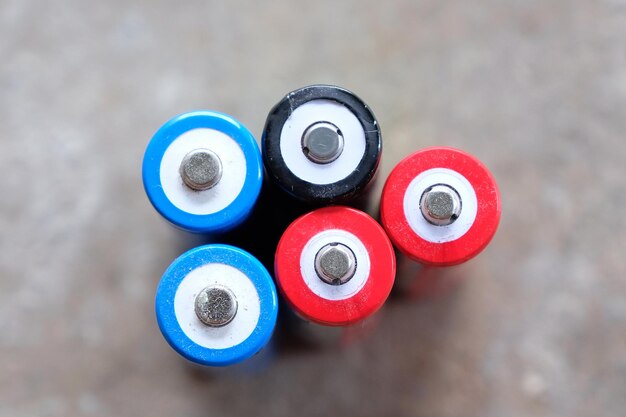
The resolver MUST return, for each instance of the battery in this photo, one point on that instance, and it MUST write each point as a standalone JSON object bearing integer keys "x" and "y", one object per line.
{"x": 321, "y": 144}
{"x": 216, "y": 305}
{"x": 335, "y": 266}
{"x": 202, "y": 171}
{"x": 440, "y": 206}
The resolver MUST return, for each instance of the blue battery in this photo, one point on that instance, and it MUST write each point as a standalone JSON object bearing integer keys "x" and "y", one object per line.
{"x": 216, "y": 305}
{"x": 202, "y": 171}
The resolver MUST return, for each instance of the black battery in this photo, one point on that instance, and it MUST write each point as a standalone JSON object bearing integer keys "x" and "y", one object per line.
{"x": 322, "y": 145}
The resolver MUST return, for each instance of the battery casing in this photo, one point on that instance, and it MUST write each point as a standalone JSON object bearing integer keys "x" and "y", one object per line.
{"x": 434, "y": 245}
{"x": 218, "y": 209}
{"x": 256, "y": 296}
{"x": 339, "y": 181}
{"x": 335, "y": 305}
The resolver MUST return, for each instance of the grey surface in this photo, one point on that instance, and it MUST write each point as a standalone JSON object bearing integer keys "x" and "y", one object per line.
{"x": 535, "y": 89}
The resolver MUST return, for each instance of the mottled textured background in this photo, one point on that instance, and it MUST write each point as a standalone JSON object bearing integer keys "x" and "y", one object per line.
{"x": 536, "y": 89}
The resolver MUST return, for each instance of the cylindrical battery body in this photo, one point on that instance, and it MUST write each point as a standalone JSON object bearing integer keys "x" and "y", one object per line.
{"x": 216, "y": 305}
{"x": 443, "y": 185}
{"x": 321, "y": 145}
{"x": 202, "y": 171}
{"x": 440, "y": 207}
{"x": 335, "y": 266}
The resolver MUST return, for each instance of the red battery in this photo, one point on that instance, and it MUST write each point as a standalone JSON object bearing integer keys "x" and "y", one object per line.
{"x": 440, "y": 206}
{"x": 335, "y": 266}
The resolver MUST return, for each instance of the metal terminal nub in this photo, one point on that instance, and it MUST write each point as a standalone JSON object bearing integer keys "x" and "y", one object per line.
{"x": 335, "y": 263}
{"x": 216, "y": 306}
{"x": 201, "y": 169}
{"x": 322, "y": 142}
{"x": 440, "y": 205}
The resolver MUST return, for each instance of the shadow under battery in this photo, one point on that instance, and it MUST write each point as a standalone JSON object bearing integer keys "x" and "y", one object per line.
{"x": 417, "y": 282}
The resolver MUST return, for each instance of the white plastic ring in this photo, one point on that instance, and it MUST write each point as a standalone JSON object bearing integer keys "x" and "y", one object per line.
{"x": 415, "y": 218}
{"x": 315, "y": 283}
{"x": 224, "y": 192}
{"x": 248, "y": 310}
{"x": 291, "y": 142}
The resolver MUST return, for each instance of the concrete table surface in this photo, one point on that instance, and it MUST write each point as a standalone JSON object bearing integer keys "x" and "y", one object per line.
{"x": 535, "y": 89}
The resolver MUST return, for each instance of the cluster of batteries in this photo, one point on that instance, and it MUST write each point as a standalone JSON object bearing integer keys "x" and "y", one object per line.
{"x": 334, "y": 265}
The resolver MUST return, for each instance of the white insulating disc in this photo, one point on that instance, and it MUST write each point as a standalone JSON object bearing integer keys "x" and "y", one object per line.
{"x": 224, "y": 192}
{"x": 415, "y": 218}
{"x": 248, "y": 306}
{"x": 315, "y": 111}
{"x": 315, "y": 283}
